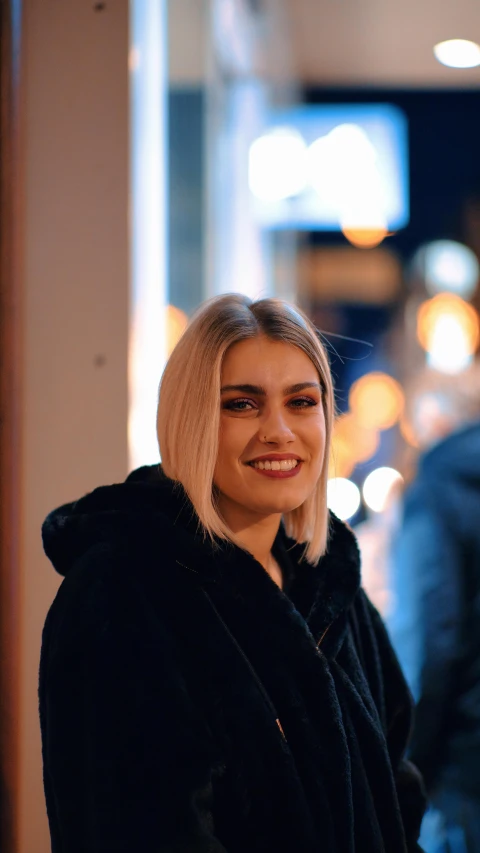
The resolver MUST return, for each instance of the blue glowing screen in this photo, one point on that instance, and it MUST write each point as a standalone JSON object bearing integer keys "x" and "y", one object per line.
{"x": 326, "y": 167}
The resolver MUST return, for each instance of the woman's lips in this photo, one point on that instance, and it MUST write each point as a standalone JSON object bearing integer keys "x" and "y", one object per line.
{"x": 278, "y": 475}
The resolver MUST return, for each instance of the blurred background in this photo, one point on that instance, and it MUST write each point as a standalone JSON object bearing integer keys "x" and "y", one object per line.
{"x": 156, "y": 153}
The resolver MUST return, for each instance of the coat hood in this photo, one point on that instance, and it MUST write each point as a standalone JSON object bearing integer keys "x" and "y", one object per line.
{"x": 149, "y": 507}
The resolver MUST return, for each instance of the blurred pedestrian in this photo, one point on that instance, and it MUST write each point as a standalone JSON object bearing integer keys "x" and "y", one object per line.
{"x": 213, "y": 678}
{"x": 435, "y": 617}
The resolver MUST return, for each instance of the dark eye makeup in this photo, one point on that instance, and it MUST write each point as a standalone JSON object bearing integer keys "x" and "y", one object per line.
{"x": 244, "y": 404}
{"x": 238, "y": 405}
{"x": 302, "y": 402}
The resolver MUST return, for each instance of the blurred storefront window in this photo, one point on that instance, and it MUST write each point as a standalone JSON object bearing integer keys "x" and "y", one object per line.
{"x": 223, "y": 83}
{"x": 148, "y": 223}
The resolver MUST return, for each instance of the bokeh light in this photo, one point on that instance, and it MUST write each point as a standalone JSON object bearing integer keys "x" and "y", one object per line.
{"x": 364, "y": 237}
{"x": 446, "y": 305}
{"x": 177, "y": 322}
{"x": 339, "y": 161}
{"x": 378, "y": 486}
{"x": 343, "y": 497}
{"x": 448, "y": 329}
{"x": 342, "y": 458}
{"x": 407, "y": 432}
{"x": 449, "y": 347}
{"x": 458, "y": 53}
{"x": 277, "y": 165}
{"x": 450, "y": 267}
{"x": 362, "y": 440}
{"x": 377, "y": 401}
{"x": 342, "y": 168}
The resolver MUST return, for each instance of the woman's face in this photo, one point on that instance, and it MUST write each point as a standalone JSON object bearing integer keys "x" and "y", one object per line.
{"x": 272, "y": 429}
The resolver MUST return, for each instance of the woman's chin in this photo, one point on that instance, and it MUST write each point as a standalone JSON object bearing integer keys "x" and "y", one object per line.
{"x": 277, "y": 507}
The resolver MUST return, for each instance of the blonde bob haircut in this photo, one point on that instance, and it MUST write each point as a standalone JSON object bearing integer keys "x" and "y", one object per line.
{"x": 189, "y": 407}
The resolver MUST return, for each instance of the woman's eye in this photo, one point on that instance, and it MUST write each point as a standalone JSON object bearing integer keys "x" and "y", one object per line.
{"x": 302, "y": 402}
{"x": 238, "y": 405}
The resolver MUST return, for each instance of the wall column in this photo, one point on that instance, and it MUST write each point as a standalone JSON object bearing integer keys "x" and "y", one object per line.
{"x": 73, "y": 324}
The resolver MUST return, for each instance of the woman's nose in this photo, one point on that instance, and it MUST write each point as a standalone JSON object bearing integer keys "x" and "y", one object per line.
{"x": 274, "y": 429}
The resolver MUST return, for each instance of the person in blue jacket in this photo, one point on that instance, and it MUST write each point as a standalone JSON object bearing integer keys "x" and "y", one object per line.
{"x": 435, "y": 619}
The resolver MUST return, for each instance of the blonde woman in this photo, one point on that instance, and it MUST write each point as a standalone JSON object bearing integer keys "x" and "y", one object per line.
{"x": 213, "y": 678}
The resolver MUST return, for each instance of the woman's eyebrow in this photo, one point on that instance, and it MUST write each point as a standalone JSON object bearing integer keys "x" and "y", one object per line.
{"x": 245, "y": 389}
{"x": 301, "y": 386}
{"x": 257, "y": 389}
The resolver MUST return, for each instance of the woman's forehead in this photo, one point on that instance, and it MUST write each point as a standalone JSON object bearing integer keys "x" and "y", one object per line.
{"x": 262, "y": 359}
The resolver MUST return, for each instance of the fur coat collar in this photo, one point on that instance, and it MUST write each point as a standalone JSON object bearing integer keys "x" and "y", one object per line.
{"x": 150, "y": 502}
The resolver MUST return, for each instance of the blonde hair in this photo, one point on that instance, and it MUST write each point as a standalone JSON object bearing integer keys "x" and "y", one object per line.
{"x": 189, "y": 407}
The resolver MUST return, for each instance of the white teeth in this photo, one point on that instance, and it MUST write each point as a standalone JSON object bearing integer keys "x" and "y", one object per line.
{"x": 288, "y": 464}
{"x": 276, "y": 464}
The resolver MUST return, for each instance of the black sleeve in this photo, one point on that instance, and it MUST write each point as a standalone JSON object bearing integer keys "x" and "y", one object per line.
{"x": 397, "y": 711}
{"x": 128, "y": 762}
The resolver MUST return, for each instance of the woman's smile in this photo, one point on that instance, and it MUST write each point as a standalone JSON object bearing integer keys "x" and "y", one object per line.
{"x": 276, "y": 465}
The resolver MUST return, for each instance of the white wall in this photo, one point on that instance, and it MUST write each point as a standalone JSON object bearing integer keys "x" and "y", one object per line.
{"x": 75, "y": 258}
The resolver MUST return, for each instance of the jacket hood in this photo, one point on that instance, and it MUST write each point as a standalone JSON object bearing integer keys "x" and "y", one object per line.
{"x": 152, "y": 512}
{"x": 147, "y": 499}
{"x": 457, "y": 456}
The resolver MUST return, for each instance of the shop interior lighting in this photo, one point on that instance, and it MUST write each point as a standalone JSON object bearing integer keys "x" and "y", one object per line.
{"x": 339, "y": 167}
{"x": 458, "y": 53}
{"x": 277, "y": 165}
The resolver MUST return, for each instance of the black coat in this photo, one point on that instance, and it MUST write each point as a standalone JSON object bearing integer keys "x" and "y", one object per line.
{"x": 188, "y": 705}
{"x": 436, "y": 581}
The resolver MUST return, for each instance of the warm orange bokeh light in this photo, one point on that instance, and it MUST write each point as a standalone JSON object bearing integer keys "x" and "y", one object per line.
{"x": 447, "y": 305}
{"x": 408, "y": 433}
{"x": 177, "y": 322}
{"x": 342, "y": 460}
{"x": 377, "y": 401}
{"x": 351, "y": 443}
{"x": 364, "y": 238}
{"x": 362, "y": 440}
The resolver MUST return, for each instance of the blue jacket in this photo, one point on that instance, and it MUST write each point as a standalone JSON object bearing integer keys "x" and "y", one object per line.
{"x": 435, "y": 620}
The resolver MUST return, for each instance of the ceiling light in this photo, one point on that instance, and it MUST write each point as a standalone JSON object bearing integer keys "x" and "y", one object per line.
{"x": 458, "y": 53}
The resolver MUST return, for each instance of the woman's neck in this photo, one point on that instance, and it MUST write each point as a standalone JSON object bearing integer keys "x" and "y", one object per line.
{"x": 256, "y": 533}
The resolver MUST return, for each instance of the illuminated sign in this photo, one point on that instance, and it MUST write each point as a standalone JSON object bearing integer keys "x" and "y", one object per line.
{"x": 332, "y": 168}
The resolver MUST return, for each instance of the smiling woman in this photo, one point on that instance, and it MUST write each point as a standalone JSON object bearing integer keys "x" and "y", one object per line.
{"x": 213, "y": 678}
{"x": 247, "y": 398}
